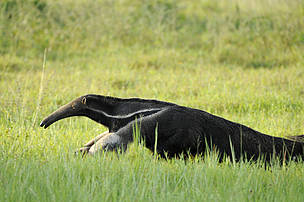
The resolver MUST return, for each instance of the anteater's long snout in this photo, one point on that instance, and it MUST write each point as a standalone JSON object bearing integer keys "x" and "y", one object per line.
{"x": 75, "y": 108}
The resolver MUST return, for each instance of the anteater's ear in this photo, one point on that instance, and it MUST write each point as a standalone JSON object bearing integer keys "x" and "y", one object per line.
{"x": 99, "y": 102}
{"x": 84, "y": 100}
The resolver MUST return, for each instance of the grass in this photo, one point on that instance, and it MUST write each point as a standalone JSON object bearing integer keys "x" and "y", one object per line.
{"x": 237, "y": 59}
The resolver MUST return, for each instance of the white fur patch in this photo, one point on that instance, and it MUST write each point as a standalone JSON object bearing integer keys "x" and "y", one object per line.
{"x": 109, "y": 139}
{"x": 94, "y": 140}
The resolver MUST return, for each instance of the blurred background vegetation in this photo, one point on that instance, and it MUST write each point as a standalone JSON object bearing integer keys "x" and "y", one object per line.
{"x": 248, "y": 33}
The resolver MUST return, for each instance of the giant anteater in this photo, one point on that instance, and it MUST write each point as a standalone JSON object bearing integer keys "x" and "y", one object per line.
{"x": 180, "y": 130}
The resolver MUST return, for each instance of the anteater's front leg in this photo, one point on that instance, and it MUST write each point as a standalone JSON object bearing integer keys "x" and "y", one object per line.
{"x": 86, "y": 148}
{"x": 108, "y": 142}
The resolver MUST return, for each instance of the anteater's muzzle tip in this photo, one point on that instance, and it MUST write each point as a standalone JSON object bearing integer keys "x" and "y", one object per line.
{"x": 44, "y": 124}
{"x": 41, "y": 124}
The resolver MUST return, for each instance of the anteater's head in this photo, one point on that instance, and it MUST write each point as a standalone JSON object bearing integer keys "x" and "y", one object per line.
{"x": 75, "y": 108}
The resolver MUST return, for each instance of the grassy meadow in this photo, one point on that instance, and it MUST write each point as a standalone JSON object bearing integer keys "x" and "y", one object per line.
{"x": 242, "y": 60}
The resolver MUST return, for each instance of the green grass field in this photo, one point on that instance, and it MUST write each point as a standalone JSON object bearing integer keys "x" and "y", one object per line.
{"x": 241, "y": 60}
